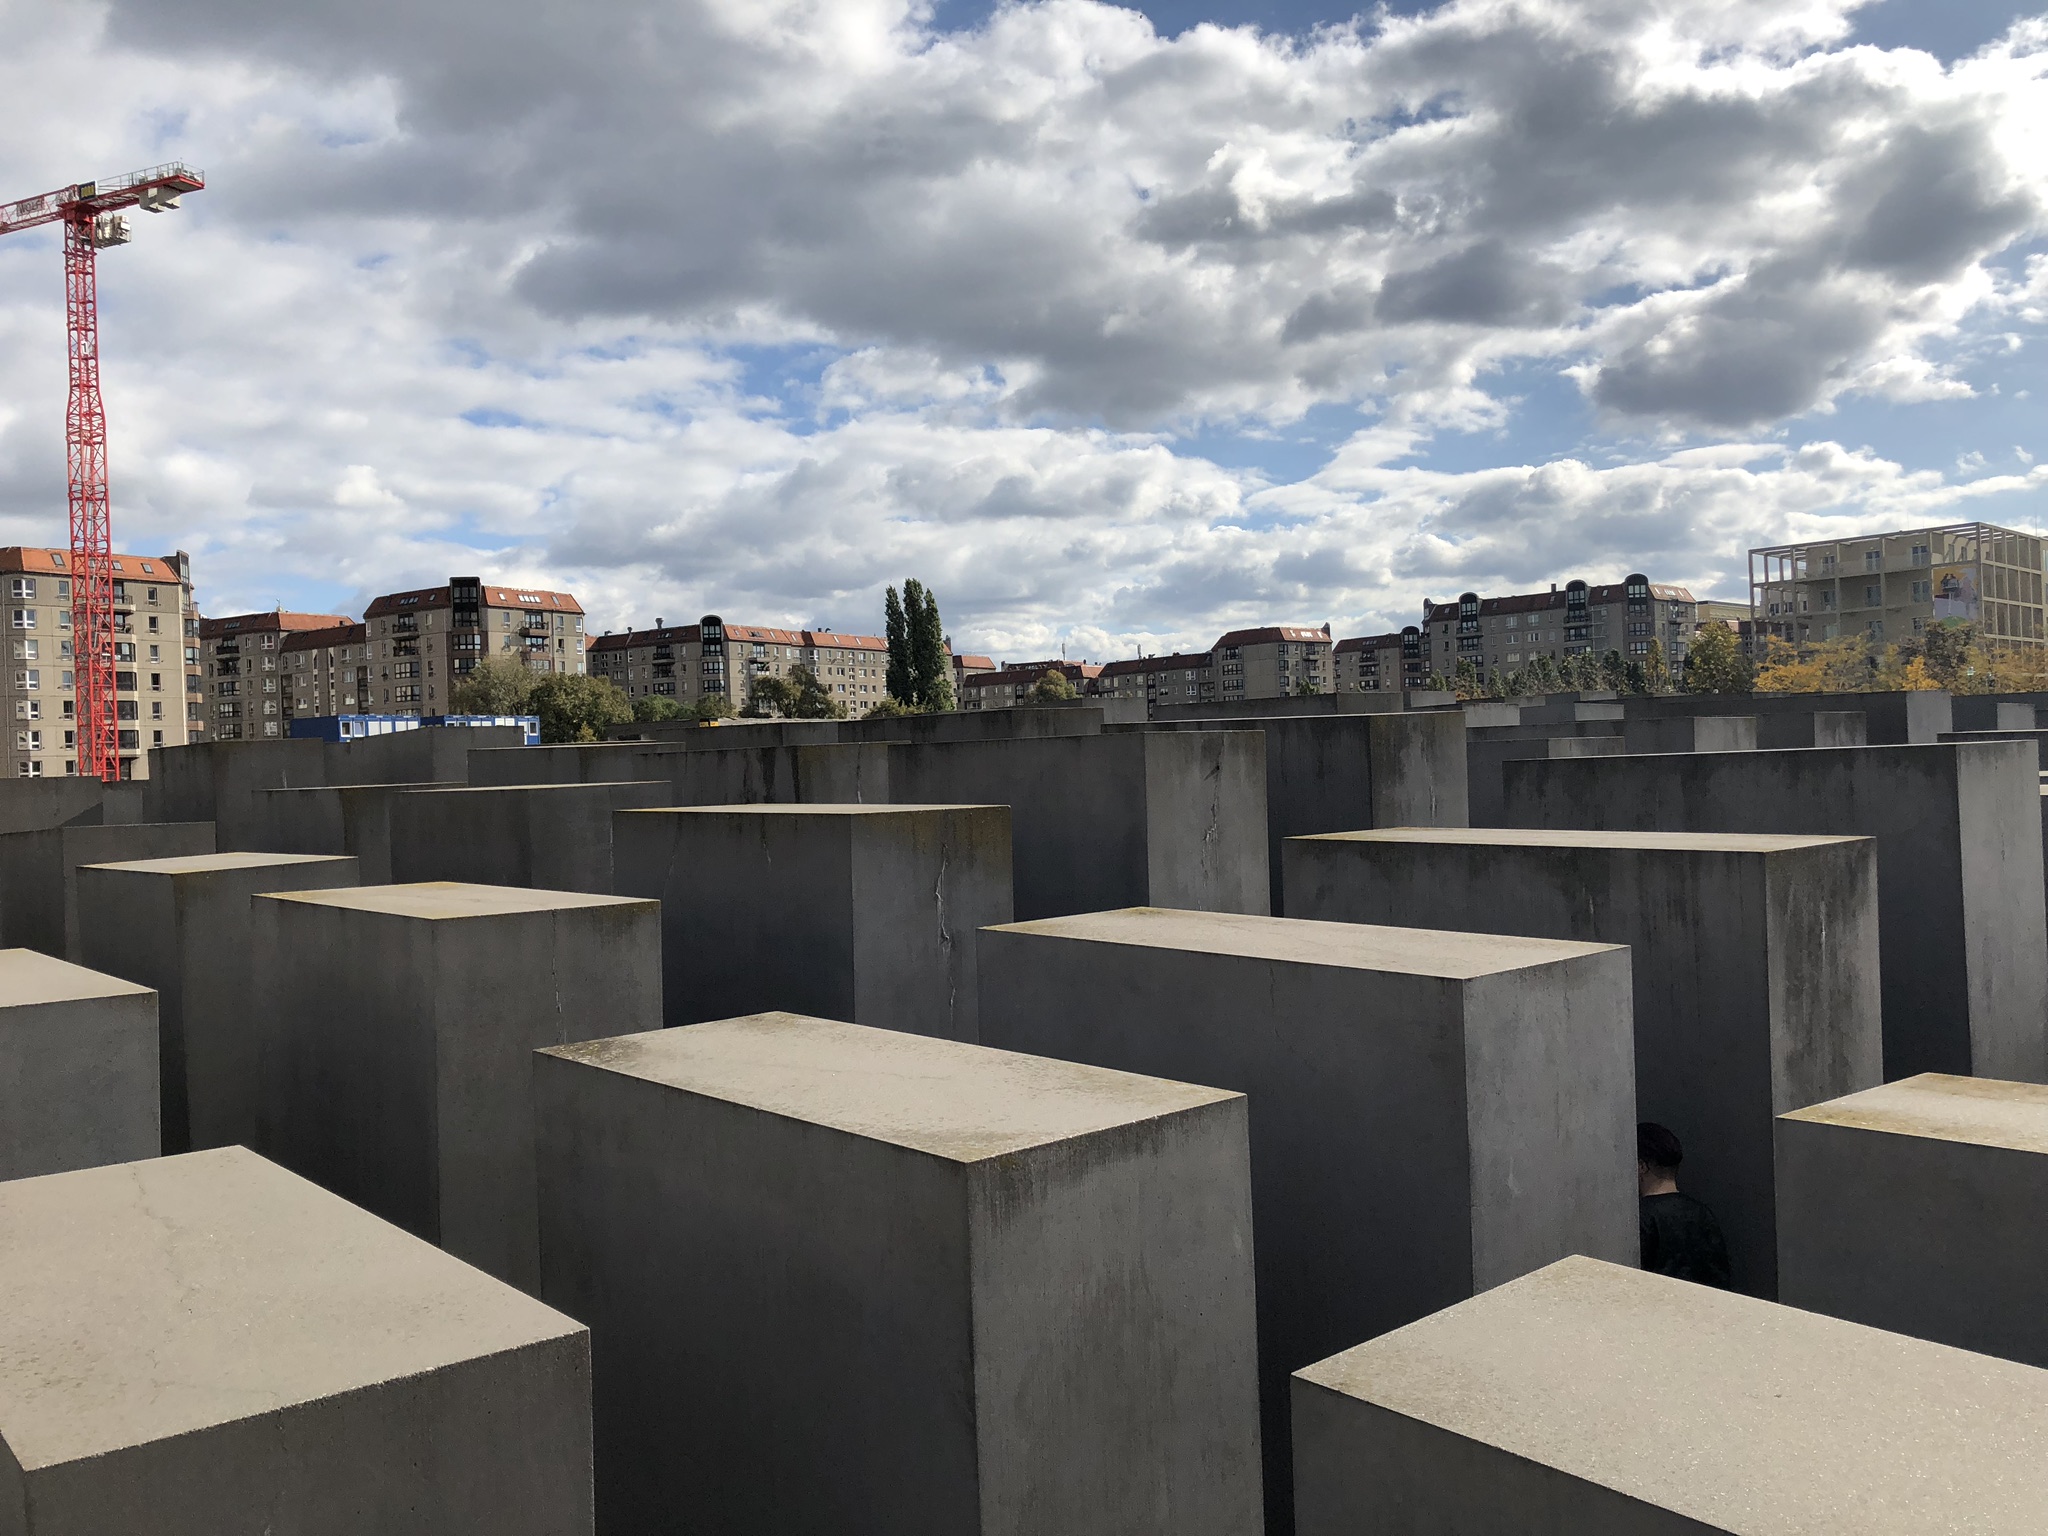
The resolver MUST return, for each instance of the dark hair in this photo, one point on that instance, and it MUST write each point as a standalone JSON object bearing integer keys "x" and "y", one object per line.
{"x": 1657, "y": 1146}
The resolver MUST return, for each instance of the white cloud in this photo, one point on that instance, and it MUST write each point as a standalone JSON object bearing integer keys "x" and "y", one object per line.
{"x": 478, "y": 286}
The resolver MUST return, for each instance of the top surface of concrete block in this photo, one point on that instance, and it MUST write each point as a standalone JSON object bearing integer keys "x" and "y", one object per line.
{"x": 214, "y": 863}
{"x": 29, "y": 977}
{"x": 1984, "y": 1112}
{"x": 441, "y": 899}
{"x": 892, "y": 809}
{"x": 158, "y": 1298}
{"x": 1738, "y": 1413}
{"x": 1356, "y": 946}
{"x": 962, "y": 1102}
{"x": 1541, "y": 837}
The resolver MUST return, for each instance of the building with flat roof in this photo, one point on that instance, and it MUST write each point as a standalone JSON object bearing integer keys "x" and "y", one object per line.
{"x": 1382, "y": 663}
{"x": 1275, "y": 661}
{"x": 424, "y": 642}
{"x": 241, "y": 662}
{"x": 1175, "y": 679}
{"x": 689, "y": 662}
{"x": 324, "y": 672}
{"x": 1502, "y": 634}
{"x": 1887, "y": 587}
{"x": 155, "y": 661}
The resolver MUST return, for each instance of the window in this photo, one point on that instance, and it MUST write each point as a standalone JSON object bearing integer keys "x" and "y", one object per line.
{"x": 33, "y": 679}
{"x": 124, "y": 650}
{"x": 152, "y": 598}
{"x": 156, "y": 709}
{"x": 128, "y": 741}
{"x": 1873, "y": 559}
{"x": 33, "y": 769}
{"x": 26, "y": 650}
{"x": 1873, "y": 595}
{"x": 156, "y": 682}
{"x": 28, "y": 709}
{"x": 1923, "y": 592}
{"x": 28, "y": 741}
{"x": 152, "y": 624}
{"x": 1920, "y": 555}
{"x": 126, "y": 709}
{"x": 24, "y": 618}
{"x": 22, "y": 587}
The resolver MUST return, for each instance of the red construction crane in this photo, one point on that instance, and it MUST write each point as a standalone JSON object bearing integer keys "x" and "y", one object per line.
{"x": 91, "y": 213}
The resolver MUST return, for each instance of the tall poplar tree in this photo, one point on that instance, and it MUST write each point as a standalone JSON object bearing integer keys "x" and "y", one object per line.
{"x": 931, "y": 670}
{"x": 897, "y": 631}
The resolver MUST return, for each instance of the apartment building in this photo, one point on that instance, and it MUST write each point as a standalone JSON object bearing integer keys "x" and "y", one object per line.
{"x": 242, "y": 659}
{"x": 1500, "y": 634}
{"x": 1175, "y": 679}
{"x": 965, "y": 667}
{"x": 1381, "y": 663}
{"x": 1273, "y": 662}
{"x": 422, "y": 643}
{"x": 1006, "y": 687}
{"x": 1889, "y": 587}
{"x": 154, "y": 658}
{"x": 325, "y": 672}
{"x": 688, "y": 662}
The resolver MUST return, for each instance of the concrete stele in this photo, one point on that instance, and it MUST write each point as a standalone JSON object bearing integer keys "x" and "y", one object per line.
{"x": 554, "y": 837}
{"x": 39, "y": 875}
{"x": 913, "y": 1285}
{"x": 78, "y": 1070}
{"x": 868, "y": 913}
{"x": 1433, "y": 1113}
{"x": 1754, "y": 957}
{"x": 350, "y": 819}
{"x": 181, "y": 926}
{"x": 1594, "y": 1400}
{"x": 400, "y": 1024}
{"x": 206, "y": 1344}
{"x": 1917, "y": 1207}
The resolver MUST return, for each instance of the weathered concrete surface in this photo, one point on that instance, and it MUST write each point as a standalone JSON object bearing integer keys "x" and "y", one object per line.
{"x": 221, "y": 782}
{"x": 1020, "y": 723}
{"x": 30, "y": 805}
{"x": 1390, "y": 702}
{"x": 1896, "y": 719}
{"x": 1961, "y": 904}
{"x": 1485, "y": 755}
{"x": 350, "y": 819}
{"x": 39, "y": 875}
{"x": 868, "y": 913}
{"x": 1691, "y": 733}
{"x": 400, "y": 1022}
{"x": 78, "y": 1073}
{"x": 1755, "y": 966}
{"x": 1917, "y": 1207}
{"x": 1433, "y": 1113}
{"x": 1998, "y": 711}
{"x": 555, "y": 837}
{"x": 2038, "y": 738}
{"x": 766, "y": 774}
{"x": 205, "y": 1344}
{"x": 1819, "y": 728}
{"x": 181, "y": 926}
{"x": 1592, "y": 1400}
{"x": 1332, "y": 773}
{"x": 1129, "y": 818}
{"x": 432, "y": 755}
{"x": 848, "y": 1279}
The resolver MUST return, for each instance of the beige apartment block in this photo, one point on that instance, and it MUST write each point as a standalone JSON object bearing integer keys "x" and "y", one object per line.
{"x": 325, "y": 671}
{"x": 155, "y": 661}
{"x": 1274, "y": 662}
{"x": 1888, "y": 587}
{"x": 689, "y": 662}
{"x": 1175, "y": 679}
{"x": 422, "y": 643}
{"x": 1382, "y": 663}
{"x": 965, "y": 669}
{"x": 1500, "y": 634}
{"x": 242, "y": 658}
{"x": 1007, "y": 687}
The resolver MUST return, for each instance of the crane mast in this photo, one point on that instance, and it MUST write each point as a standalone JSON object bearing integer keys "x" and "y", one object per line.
{"x": 92, "y": 214}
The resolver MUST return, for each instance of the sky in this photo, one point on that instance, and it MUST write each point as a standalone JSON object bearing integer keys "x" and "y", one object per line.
{"x": 1117, "y": 328}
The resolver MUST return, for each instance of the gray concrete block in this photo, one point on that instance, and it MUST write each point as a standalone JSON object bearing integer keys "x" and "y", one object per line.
{"x": 205, "y": 1345}
{"x": 1755, "y": 963}
{"x": 1592, "y": 1400}
{"x": 39, "y": 875}
{"x": 868, "y": 913}
{"x": 399, "y": 1025}
{"x": 1488, "y": 748}
{"x": 1333, "y": 773}
{"x": 1890, "y": 719}
{"x": 1998, "y": 711}
{"x": 182, "y": 926}
{"x": 1432, "y": 1113}
{"x": 1962, "y": 908}
{"x": 1817, "y": 728}
{"x": 78, "y": 1071}
{"x": 848, "y": 1279}
{"x": 219, "y": 781}
{"x": 2038, "y": 738}
{"x": 436, "y": 754}
{"x": 1130, "y": 818}
{"x": 30, "y": 805}
{"x": 1917, "y": 1207}
{"x": 338, "y": 819}
{"x": 1691, "y": 733}
{"x": 554, "y": 837}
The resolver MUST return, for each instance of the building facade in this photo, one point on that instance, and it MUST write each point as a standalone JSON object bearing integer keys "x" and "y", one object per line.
{"x": 1273, "y": 662}
{"x": 1175, "y": 679}
{"x": 1382, "y": 663}
{"x": 325, "y": 672}
{"x": 690, "y": 662}
{"x": 241, "y": 658}
{"x": 1887, "y": 587}
{"x": 1006, "y": 687}
{"x": 423, "y": 643}
{"x": 1502, "y": 634}
{"x": 155, "y": 659}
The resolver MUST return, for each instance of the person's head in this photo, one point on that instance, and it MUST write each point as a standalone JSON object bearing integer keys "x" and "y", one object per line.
{"x": 1658, "y": 1155}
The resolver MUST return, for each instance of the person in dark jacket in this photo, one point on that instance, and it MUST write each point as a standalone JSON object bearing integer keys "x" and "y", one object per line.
{"x": 1680, "y": 1236}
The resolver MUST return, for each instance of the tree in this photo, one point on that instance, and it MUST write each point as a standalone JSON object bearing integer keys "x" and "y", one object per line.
{"x": 798, "y": 696}
{"x": 896, "y": 628}
{"x": 1656, "y": 673}
{"x": 1613, "y": 672}
{"x": 1714, "y": 663}
{"x": 654, "y": 708}
{"x": 1053, "y": 687}
{"x": 496, "y": 685}
{"x": 573, "y": 709}
{"x": 1540, "y": 676}
{"x": 931, "y": 670}
{"x": 888, "y": 709}
{"x": 714, "y": 706}
{"x": 1466, "y": 683}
